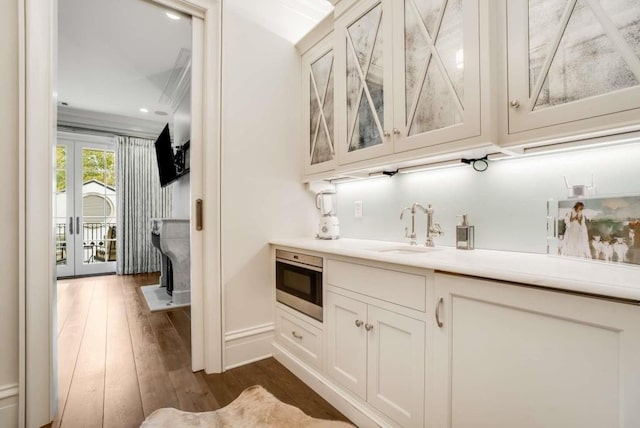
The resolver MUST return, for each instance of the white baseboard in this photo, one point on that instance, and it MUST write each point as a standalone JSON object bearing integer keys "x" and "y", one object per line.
{"x": 9, "y": 405}
{"x": 248, "y": 345}
{"x": 357, "y": 412}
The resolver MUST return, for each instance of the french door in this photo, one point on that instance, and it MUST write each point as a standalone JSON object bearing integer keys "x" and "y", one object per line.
{"x": 85, "y": 205}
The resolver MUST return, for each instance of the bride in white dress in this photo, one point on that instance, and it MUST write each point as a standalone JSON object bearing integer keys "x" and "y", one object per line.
{"x": 576, "y": 237}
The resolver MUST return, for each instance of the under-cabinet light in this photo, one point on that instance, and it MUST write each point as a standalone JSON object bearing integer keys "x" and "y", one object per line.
{"x": 345, "y": 180}
{"x": 143, "y": 110}
{"x": 430, "y": 166}
{"x": 173, "y": 16}
{"x": 595, "y": 142}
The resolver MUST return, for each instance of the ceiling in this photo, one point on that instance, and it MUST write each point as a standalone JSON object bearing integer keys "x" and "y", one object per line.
{"x": 290, "y": 19}
{"x": 116, "y": 56}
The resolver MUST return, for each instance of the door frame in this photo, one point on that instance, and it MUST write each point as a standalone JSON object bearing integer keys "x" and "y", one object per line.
{"x": 37, "y": 39}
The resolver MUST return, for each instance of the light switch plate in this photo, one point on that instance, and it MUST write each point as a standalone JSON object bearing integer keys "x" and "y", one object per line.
{"x": 357, "y": 209}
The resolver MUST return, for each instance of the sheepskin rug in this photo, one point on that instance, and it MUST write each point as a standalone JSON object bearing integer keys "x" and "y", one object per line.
{"x": 254, "y": 408}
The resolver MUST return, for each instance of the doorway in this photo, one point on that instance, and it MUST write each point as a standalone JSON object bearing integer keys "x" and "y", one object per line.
{"x": 85, "y": 206}
{"x": 37, "y": 120}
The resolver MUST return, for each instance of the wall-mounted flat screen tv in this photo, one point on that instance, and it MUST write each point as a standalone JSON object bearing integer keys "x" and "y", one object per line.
{"x": 165, "y": 157}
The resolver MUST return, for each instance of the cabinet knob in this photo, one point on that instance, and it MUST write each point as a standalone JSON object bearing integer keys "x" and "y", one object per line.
{"x": 514, "y": 103}
{"x": 359, "y": 323}
{"x": 386, "y": 133}
{"x": 296, "y": 335}
{"x": 396, "y": 131}
{"x": 368, "y": 327}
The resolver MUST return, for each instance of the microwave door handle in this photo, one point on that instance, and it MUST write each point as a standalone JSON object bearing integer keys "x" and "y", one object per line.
{"x": 300, "y": 265}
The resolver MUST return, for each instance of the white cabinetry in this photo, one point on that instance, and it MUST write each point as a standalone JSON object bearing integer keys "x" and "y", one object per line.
{"x": 573, "y": 66}
{"x": 408, "y": 76}
{"x": 301, "y": 335}
{"x": 436, "y": 58}
{"x": 418, "y": 80}
{"x": 364, "y": 103}
{"x": 318, "y": 71}
{"x": 510, "y": 356}
{"x": 347, "y": 343}
{"x": 376, "y": 348}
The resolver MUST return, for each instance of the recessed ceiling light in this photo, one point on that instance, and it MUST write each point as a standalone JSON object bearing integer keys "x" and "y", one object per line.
{"x": 161, "y": 113}
{"x": 144, "y": 110}
{"x": 173, "y": 16}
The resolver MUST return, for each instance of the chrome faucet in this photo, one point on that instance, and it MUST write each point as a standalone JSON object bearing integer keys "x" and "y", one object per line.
{"x": 433, "y": 229}
{"x": 412, "y": 210}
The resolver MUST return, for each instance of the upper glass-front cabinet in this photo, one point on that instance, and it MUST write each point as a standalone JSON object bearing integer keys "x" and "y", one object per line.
{"x": 570, "y": 60}
{"x": 407, "y": 77}
{"x": 363, "y": 83}
{"x": 318, "y": 71}
{"x": 437, "y": 79}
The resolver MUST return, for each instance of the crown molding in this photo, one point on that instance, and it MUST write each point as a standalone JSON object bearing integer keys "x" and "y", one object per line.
{"x": 78, "y": 119}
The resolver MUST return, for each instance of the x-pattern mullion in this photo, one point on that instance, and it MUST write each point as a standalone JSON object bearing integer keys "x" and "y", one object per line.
{"x": 542, "y": 76}
{"x": 620, "y": 43}
{"x": 315, "y": 131}
{"x": 364, "y": 89}
{"x": 321, "y": 116}
{"x": 324, "y": 98}
{"x": 433, "y": 55}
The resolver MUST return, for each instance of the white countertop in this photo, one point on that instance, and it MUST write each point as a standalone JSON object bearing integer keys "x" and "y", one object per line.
{"x": 584, "y": 276}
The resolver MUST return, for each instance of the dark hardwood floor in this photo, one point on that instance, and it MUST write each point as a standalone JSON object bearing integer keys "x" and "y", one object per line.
{"x": 117, "y": 362}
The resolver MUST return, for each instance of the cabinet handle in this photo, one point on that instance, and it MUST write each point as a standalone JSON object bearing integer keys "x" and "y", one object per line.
{"x": 440, "y": 323}
{"x": 359, "y": 323}
{"x": 77, "y": 225}
{"x": 296, "y": 335}
{"x": 70, "y": 225}
{"x": 396, "y": 131}
{"x": 387, "y": 133}
{"x": 514, "y": 103}
{"x": 368, "y": 327}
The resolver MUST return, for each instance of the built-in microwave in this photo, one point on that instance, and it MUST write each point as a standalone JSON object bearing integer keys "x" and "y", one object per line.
{"x": 299, "y": 282}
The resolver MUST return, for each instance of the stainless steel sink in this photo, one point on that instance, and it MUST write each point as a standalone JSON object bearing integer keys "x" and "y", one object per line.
{"x": 405, "y": 249}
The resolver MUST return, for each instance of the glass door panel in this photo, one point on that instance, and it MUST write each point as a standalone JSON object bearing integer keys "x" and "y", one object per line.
{"x": 63, "y": 210}
{"x": 365, "y": 81}
{"x": 95, "y": 209}
{"x": 321, "y": 108}
{"x": 583, "y": 64}
{"x": 434, "y": 65}
{"x": 580, "y": 60}
{"x": 436, "y": 72}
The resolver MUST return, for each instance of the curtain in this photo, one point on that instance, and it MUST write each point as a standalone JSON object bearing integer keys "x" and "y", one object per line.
{"x": 139, "y": 198}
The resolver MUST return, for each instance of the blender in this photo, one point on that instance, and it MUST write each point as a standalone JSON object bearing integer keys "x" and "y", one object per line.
{"x": 329, "y": 227}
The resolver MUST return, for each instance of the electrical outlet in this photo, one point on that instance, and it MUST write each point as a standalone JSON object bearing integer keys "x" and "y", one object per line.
{"x": 357, "y": 209}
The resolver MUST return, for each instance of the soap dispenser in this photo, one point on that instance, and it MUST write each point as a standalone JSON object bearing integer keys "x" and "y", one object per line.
{"x": 464, "y": 234}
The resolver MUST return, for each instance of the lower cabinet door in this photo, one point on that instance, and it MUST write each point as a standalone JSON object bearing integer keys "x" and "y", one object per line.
{"x": 510, "y": 356}
{"x": 396, "y": 378}
{"x": 347, "y": 343}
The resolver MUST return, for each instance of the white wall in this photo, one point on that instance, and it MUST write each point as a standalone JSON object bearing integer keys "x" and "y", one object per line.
{"x": 262, "y": 196}
{"x": 506, "y": 203}
{"x": 9, "y": 211}
{"x": 181, "y": 134}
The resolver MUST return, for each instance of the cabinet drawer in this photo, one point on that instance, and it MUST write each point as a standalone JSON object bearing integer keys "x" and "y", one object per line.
{"x": 300, "y": 337}
{"x": 405, "y": 289}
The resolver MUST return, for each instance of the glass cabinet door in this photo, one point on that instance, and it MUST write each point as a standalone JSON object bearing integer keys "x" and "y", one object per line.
{"x": 366, "y": 107}
{"x": 436, "y": 72}
{"x": 319, "y": 71}
{"x": 572, "y": 59}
